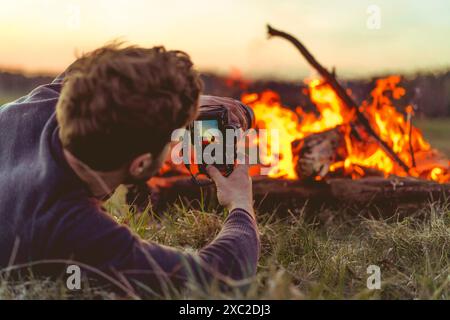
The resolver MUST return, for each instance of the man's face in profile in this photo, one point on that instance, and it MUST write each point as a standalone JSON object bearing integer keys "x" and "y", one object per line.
{"x": 150, "y": 170}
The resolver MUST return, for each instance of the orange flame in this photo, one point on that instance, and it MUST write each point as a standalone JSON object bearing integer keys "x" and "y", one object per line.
{"x": 391, "y": 125}
{"x": 235, "y": 79}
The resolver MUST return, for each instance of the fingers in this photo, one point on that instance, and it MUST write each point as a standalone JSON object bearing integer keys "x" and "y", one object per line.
{"x": 215, "y": 174}
{"x": 235, "y": 120}
{"x": 236, "y": 113}
{"x": 243, "y": 167}
{"x": 239, "y": 113}
{"x": 239, "y": 169}
{"x": 243, "y": 162}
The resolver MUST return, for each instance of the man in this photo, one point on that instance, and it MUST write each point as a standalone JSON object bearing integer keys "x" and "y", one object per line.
{"x": 107, "y": 121}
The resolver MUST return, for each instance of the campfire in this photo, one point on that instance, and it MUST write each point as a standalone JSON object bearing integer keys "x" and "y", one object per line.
{"x": 345, "y": 139}
{"x": 342, "y": 152}
{"x": 331, "y": 145}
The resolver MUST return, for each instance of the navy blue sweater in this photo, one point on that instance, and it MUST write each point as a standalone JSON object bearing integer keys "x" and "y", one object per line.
{"x": 47, "y": 213}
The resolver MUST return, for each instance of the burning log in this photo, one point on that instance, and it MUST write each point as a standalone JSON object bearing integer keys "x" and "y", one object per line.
{"x": 269, "y": 193}
{"x": 317, "y": 151}
{"x": 382, "y": 190}
{"x": 340, "y": 92}
{"x": 314, "y": 154}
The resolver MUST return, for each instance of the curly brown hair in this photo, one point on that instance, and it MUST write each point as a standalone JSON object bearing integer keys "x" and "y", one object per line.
{"x": 119, "y": 102}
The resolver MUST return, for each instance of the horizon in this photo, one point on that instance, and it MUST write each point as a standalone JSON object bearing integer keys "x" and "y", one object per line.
{"x": 362, "y": 77}
{"x": 44, "y": 35}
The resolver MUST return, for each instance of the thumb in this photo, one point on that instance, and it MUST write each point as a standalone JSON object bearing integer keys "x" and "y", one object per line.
{"x": 214, "y": 173}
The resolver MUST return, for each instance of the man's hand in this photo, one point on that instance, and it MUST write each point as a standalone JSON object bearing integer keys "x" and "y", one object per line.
{"x": 237, "y": 115}
{"x": 234, "y": 191}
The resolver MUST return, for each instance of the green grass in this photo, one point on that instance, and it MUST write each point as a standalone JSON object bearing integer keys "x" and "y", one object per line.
{"x": 437, "y": 132}
{"x": 305, "y": 258}
{"x": 302, "y": 257}
{"x": 10, "y": 96}
{"x": 4, "y": 100}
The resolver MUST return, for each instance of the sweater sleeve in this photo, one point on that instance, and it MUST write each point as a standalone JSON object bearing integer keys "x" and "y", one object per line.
{"x": 96, "y": 240}
{"x": 235, "y": 251}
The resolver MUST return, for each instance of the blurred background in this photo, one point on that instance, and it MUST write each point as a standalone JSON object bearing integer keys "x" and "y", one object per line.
{"x": 362, "y": 40}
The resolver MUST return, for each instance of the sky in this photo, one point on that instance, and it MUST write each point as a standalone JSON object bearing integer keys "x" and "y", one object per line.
{"x": 357, "y": 37}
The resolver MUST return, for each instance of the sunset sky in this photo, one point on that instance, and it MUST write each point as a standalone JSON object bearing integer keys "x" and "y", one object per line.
{"x": 45, "y": 35}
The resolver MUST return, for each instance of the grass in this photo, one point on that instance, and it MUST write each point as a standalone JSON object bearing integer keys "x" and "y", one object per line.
{"x": 437, "y": 131}
{"x": 324, "y": 257}
{"x": 303, "y": 257}
{"x": 5, "y": 99}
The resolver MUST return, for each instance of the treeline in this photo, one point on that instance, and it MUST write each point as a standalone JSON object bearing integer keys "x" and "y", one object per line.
{"x": 428, "y": 92}
{"x": 14, "y": 84}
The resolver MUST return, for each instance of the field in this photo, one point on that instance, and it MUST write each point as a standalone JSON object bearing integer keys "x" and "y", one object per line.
{"x": 437, "y": 131}
{"x": 5, "y": 99}
{"x": 324, "y": 255}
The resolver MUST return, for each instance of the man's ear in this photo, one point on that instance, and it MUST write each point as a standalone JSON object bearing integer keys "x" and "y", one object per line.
{"x": 140, "y": 164}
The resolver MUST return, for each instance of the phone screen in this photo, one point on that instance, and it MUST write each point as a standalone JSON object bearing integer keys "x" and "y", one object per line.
{"x": 206, "y": 125}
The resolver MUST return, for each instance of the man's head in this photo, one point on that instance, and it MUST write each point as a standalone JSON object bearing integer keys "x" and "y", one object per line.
{"x": 119, "y": 106}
